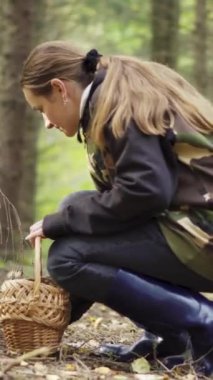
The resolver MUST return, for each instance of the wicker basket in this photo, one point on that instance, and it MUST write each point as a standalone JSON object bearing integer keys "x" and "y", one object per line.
{"x": 33, "y": 312}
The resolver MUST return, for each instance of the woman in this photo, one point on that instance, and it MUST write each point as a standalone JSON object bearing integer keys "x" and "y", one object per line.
{"x": 142, "y": 242}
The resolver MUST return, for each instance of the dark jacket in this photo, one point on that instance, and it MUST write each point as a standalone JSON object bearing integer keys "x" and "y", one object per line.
{"x": 139, "y": 177}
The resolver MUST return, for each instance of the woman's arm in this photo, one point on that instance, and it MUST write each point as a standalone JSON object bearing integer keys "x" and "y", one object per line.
{"x": 143, "y": 187}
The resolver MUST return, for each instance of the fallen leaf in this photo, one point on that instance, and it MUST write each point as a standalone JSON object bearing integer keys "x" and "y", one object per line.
{"x": 52, "y": 377}
{"x": 140, "y": 365}
{"x": 83, "y": 350}
{"x": 23, "y": 363}
{"x": 70, "y": 367}
{"x": 102, "y": 370}
{"x": 91, "y": 318}
{"x": 93, "y": 343}
{"x": 97, "y": 322}
{"x": 40, "y": 368}
{"x": 190, "y": 376}
{"x": 103, "y": 308}
{"x": 81, "y": 326}
{"x": 68, "y": 375}
{"x": 149, "y": 377}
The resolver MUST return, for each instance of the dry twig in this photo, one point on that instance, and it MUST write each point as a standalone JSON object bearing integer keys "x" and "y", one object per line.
{"x": 44, "y": 351}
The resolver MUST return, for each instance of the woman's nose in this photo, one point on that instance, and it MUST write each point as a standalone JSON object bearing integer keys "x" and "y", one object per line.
{"x": 47, "y": 123}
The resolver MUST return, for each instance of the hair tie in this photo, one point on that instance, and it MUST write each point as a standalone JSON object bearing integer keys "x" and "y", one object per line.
{"x": 91, "y": 60}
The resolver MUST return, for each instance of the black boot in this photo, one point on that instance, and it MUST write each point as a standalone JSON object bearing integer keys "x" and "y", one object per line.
{"x": 149, "y": 346}
{"x": 123, "y": 353}
{"x": 161, "y": 307}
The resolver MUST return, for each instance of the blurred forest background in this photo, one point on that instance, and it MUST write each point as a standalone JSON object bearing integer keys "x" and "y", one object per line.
{"x": 37, "y": 167}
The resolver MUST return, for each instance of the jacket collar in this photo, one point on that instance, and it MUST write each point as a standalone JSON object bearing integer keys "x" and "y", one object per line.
{"x": 85, "y": 101}
{"x": 84, "y": 98}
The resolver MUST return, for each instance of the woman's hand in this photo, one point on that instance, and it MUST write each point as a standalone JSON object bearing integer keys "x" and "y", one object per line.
{"x": 35, "y": 230}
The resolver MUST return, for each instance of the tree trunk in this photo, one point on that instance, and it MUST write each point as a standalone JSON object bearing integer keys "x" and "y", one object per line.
{"x": 164, "y": 22}
{"x": 26, "y": 204}
{"x": 26, "y": 201}
{"x": 200, "y": 46}
{"x": 15, "y": 145}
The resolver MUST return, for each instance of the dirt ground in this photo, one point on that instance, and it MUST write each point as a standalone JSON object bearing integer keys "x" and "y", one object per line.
{"x": 77, "y": 357}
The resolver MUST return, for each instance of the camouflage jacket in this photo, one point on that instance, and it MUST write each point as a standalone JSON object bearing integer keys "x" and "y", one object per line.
{"x": 187, "y": 222}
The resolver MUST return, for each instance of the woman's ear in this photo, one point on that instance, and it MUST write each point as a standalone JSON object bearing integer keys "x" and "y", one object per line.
{"x": 59, "y": 86}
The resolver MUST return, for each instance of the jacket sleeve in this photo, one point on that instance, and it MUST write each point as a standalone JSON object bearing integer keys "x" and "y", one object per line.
{"x": 143, "y": 187}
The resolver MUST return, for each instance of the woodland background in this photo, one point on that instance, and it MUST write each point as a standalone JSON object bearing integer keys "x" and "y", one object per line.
{"x": 37, "y": 167}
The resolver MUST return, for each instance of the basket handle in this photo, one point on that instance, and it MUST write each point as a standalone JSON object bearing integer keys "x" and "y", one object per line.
{"x": 37, "y": 266}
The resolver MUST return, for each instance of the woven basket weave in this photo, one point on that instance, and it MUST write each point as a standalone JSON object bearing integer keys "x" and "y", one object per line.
{"x": 33, "y": 312}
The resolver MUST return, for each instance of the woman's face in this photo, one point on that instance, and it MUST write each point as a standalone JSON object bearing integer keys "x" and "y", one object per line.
{"x": 61, "y": 108}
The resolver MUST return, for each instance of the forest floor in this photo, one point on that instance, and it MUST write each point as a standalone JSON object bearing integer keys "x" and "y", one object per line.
{"x": 77, "y": 356}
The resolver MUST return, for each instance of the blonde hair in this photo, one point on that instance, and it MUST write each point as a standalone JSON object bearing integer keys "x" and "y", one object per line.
{"x": 132, "y": 89}
{"x": 145, "y": 92}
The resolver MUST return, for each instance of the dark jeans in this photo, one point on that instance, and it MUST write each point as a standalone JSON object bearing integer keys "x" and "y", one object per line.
{"x": 86, "y": 265}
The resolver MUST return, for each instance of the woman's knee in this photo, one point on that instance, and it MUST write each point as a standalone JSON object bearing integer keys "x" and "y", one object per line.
{"x": 63, "y": 260}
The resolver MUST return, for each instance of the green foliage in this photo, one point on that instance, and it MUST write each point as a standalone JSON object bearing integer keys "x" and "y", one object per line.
{"x": 62, "y": 169}
{"x": 186, "y": 28}
{"x": 112, "y": 26}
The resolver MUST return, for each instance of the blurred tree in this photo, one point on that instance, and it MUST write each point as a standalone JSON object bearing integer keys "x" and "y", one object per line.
{"x": 26, "y": 202}
{"x": 112, "y": 26}
{"x": 164, "y": 22}
{"x": 200, "y": 46}
{"x": 185, "y": 36}
{"x": 17, "y": 22}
